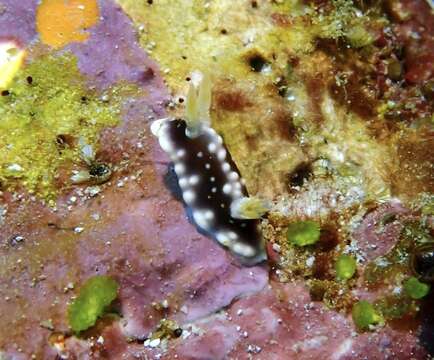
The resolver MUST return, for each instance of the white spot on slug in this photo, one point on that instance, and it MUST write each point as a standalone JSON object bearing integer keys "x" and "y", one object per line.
{"x": 227, "y": 188}
{"x": 183, "y": 183}
{"x": 157, "y": 125}
{"x": 237, "y": 193}
{"x": 194, "y": 180}
{"x": 212, "y": 148}
{"x": 179, "y": 169}
{"x": 211, "y": 132}
{"x": 166, "y": 144}
{"x": 233, "y": 176}
{"x": 232, "y": 235}
{"x": 209, "y": 215}
{"x": 223, "y": 239}
{"x": 201, "y": 219}
{"x": 188, "y": 196}
{"x": 180, "y": 153}
{"x": 243, "y": 249}
{"x": 226, "y": 167}
{"x": 221, "y": 154}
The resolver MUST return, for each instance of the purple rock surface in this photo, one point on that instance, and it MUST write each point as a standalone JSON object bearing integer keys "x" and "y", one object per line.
{"x": 112, "y": 53}
{"x": 136, "y": 231}
{"x": 17, "y": 20}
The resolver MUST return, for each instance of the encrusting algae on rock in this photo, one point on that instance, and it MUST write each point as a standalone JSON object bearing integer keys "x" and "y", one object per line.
{"x": 44, "y": 113}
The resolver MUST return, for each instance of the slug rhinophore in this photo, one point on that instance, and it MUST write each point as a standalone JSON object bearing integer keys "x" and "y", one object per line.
{"x": 212, "y": 189}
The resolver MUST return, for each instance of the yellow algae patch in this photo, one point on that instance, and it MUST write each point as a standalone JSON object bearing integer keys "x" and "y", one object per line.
{"x": 44, "y": 115}
{"x": 215, "y": 36}
{"x": 11, "y": 59}
{"x": 60, "y": 22}
{"x": 219, "y": 36}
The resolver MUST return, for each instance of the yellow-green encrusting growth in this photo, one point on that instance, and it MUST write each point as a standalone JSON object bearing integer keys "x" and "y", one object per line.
{"x": 96, "y": 294}
{"x": 365, "y": 315}
{"x": 345, "y": 267}
{"x": 249, "y": 208}
{"x": 48, "y": 99}
{"x": 343, "y": 22}
{"x": 416, "y": 289}
{"x": 303, "y": 233}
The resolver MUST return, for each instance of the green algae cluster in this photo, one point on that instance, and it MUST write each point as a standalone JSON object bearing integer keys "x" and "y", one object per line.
{"x": 365, "y": 315}
{"x": 346, "y": 267}
{"x": 416, "y": 289}
{"x": 96, "y": 294}
{"x": 303, "y": 233}
{"x": 47, "y": 103}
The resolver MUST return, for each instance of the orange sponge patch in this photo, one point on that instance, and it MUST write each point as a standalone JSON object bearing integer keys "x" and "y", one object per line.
{"x": 60, "y": 22}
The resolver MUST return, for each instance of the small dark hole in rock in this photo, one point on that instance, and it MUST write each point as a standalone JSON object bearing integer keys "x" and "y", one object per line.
{"x": 257, "y": 63}
{"x": 64, "y": 140}
{"x": 16, "y": 240}
{"x": 99, "y": 170}
{"x": 301, "y": 173}
{"x": 147, "y": 75}
{"x": 177, "y": 332}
